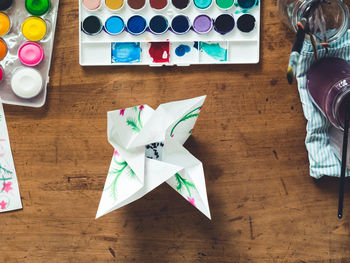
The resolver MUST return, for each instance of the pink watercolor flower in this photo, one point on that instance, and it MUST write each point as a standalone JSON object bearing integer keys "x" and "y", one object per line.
{"x": 191, "y": 200}
{"x": 6, "y": 187}
{"x": 172, "y": 135}
{"x": 141, "y": 107}
{"x": 115, "y": 153}
{"x": 3, "y": 205}
{"x": 122, "y": 111}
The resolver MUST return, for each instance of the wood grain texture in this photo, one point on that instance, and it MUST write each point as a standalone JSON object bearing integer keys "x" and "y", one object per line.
{"x": 250, "y": 136}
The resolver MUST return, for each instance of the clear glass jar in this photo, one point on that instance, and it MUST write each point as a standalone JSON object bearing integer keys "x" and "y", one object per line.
{"x": 335, "y": 14}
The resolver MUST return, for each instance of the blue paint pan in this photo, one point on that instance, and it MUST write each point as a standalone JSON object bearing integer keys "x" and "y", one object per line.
{"x": 136, "y": 25}
{"x": 158, "y": 25}
{"x": 114, "y": 25}
{"x": 180, "y": 24}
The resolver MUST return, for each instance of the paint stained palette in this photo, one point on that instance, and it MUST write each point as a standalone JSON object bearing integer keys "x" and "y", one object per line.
{"x": 168, "y": 32}
{"x": 27, "y": 29}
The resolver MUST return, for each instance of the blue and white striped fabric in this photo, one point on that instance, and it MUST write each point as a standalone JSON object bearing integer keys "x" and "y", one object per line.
{"x": 322, "y": 160}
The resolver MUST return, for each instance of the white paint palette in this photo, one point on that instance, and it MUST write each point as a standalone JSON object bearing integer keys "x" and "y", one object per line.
{"x": 29, "y": 43}
{"x": 100, "y": 44}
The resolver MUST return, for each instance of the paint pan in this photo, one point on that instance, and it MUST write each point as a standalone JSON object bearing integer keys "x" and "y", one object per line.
{"x": 3, "y": 49}
{"x": 202, "y": 4}
{"x": 180, "y": 24}
{"x": 247, "y": 4}
{"x": 246, "y": 23}
{"x": 114, "y": 5}
{"x": 92, "y": 25}
{"x": 202, "y": 24}
{"x": 158, "y": 25}
{"x": 224, "y": 4}
{"x": 136, "y": 4}
{"x": 224, "y": 24}
{"x": 91, "y": 5}
{"x": 26, "y": 82}
{"x": 5, "y": 24}
{"x": 114, "y": 25}
{"x": 158, "y": 4}
{"x": 136, "y": 25}
{"x": 181, "y": 4}
{"x": 5, "y": 4}
{"x": 34, "y": 28}
{"x": 30, "y": 54}
{"x": 38, "y": 7}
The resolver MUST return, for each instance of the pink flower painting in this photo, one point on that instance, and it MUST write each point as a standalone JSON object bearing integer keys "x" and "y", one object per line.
{"x": 6, "y": 187}
{"x": 191, "y": 200}
{"x": 121, "y": 112}
{"x": 3, "y": 205}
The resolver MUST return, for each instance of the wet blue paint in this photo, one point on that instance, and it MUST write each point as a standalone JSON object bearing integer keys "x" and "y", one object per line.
{"x": 181, "y": 50}
{"x": 195, "y": 44}
{"x": 214, "y": 50}
{"x": 114, "y": 25}
{"x": 126, "y": 52}
{"x": 136, "y": 25}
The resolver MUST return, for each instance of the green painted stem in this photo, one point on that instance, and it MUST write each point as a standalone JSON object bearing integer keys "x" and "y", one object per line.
{"x": 187, "y": 116}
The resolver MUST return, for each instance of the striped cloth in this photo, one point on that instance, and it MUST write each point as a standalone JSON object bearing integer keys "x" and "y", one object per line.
{"x": 322, "y": 160}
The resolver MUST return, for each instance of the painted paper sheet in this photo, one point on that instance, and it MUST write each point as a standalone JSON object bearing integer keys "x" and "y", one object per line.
{"x": 10, "y": 198}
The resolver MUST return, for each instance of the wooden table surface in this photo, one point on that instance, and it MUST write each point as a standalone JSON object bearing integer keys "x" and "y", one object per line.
{"x": 250, "y": 137}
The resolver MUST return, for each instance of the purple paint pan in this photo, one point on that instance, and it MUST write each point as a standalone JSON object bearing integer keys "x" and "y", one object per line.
{"x": 202, "y": 24}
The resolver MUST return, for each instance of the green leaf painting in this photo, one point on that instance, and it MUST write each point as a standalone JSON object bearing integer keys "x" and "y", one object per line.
{"x": 189, "y": 115}
{"x": 182, "y": 182}
{"x": 133, "y": 121}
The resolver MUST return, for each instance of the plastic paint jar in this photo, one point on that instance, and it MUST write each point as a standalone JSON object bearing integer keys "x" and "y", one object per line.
{"x": 224, "y": 24}
{"x": 180, "y": 24}
{"x": 5, "y": 24}
{"x": 114, "y": 25}
{"x": 91, "y": 5}
{"x": 202, "y": 24}
{"x": 158, "y": 4}
{"x": 30, "y": 54}
{"x": 136, "y": 5}
{"x": 34, "y": 28}
{"x": 246, "y": 23}
{"x": 114, "y": 5}
{"x": 92, "y": 25}
{"x": 37, "y": 7}
{"x": 158, "y": 25}
{"x": 26, "y": 83}
{"x": 181, "y": 4}
{"x": 3, "y": 49}
{"x": 136, "y": 25}
{"x": 202, "y": 4}
{"x": 5, "y": 4}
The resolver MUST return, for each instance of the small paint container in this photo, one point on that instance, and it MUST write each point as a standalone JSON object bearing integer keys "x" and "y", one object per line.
{"x": 5, "y": 24}
{"x": 247, "y": 4}
{"x": 30, "y": 54}
{"x": 114, "y": 5}
{"x": 2, "y": 74}
{"x": 91, "y": 5}
{"x": 136, "y": 25}
{"x": 202, "y": 24}
{"x": 136, "y": 5}
{"x": 224, "y": 4}
{"x": 246, "y": 23}
{"x": 34, "y": 28}
{"x": 181, "y": 4}
{"x": 5, "y": 4}
{"x": 92, "y": 25}
{"x": 114, "y": 25}
{"x": 180, "y": 24}
{"x": 26, "y": 82}
{"x": 37, "y": 7}
{"x": 158, "y": 25}
{"x": 3, "y": 49}
{"x": 158, "y": 5}
{"x": 202, "y": 4}
{"x": 224, "y": 24}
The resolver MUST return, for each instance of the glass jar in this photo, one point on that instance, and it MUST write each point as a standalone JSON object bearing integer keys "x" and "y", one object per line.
{"x": 335, "y": 15}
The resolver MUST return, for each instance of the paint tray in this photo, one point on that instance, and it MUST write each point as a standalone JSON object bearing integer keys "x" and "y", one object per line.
{"x": 14, "y": 40}
{"x": 235, "y": 47}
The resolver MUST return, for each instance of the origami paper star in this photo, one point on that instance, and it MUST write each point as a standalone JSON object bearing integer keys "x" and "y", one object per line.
{"x": 149, "y": 151}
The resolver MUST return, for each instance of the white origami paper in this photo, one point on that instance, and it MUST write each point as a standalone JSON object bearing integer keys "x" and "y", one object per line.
{"x": 149, "y": 151}
{"x": 10, "y": 198}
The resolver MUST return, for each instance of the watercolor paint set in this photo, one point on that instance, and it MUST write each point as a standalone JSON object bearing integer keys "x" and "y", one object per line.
{"x": 168, "y": 32}
{"x": 27, "y": 29}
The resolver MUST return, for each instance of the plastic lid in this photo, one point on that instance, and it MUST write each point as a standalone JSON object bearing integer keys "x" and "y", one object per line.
{"x": 31, "y": 54}
{"x": 38, "y": 7}
{"x": 26, "y": 83}
{"x": 34, "y": 28}
{"x": 4, "y": 24}
{"x": 3, "y": 49}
